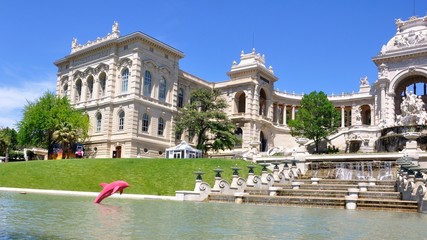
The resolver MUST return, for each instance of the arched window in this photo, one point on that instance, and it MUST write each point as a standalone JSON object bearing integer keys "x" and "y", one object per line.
{"x": 263, "y": 140}
{"x": 241, "y": 102}
{"x": 98, "y": 122}
{"x": 161, "y": 126}
{"x": 147, "y": 84}
{"x": 162, "y": 89}
{"x": 121, "y": 121}
{"x": 145, "y": 122}
{"x": 102, "y": 84}
{"x": 417, "y": 84}
{"x": 180, "y": 98}
{"x": 125, "y": 79}
{"x": 262, "y": 103}
{"x": 90, "y": 87}
{"x": 239, "y": 135}
{"x": 65, "y": 90}
{"x": 365, "y": 114}
{"x": 78, "y": 90}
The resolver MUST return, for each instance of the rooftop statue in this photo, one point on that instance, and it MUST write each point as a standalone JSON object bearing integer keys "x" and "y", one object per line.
{"x": 412, "y": 111}
{"x": 364, "y": 81}
{"x": 74, "y": 43}
{"x": 115, "y": 27}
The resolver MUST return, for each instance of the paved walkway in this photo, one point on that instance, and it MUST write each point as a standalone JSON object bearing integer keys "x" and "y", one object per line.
{"x": 87, "y": 194}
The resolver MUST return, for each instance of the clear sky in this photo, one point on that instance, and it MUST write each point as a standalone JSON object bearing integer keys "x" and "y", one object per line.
{"x": 312, "y": 45}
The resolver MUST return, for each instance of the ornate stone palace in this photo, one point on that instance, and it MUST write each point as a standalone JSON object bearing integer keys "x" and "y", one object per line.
{"x": 131, "y": 87}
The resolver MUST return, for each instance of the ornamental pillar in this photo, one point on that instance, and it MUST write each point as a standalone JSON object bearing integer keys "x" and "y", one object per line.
{"x": 95, "y": 90}
{"x": 342, "y": 116}
{"x": 84, "y": 92}
{"x": 293, "y": 112}
{"x": 382, "y": 97}
{"x": 284, "y": 114}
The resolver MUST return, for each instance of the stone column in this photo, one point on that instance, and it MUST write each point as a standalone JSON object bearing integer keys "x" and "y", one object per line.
{"x": 382, "y": 112}
{"x": 293, "y": 112}
{"x": 84, "y": 91}
{"x": 73, "y": 92}
{"x": 284, "y": 114}
{"x": 342, "y": 116}
{"x": 95, "y": 90}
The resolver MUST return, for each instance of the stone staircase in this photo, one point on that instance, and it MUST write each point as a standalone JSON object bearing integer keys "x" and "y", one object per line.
{"x": 328, "y": 193}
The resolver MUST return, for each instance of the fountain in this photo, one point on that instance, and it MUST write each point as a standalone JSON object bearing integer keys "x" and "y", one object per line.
{"x": 407, "y": 130}
{"x": 348, "y": 181}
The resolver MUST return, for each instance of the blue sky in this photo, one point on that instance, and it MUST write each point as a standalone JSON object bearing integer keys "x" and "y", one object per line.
{"x": 311, "y": 44}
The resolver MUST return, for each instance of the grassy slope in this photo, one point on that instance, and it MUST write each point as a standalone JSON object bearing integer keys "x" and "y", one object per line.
{"x": 145, "y": 176}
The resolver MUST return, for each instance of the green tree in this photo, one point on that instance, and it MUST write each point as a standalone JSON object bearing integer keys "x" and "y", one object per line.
{"x": 204, "y": 117}
{"x": 43, "y": 116}
{"x": 8, "y": 141}
{"x": 316, "y": 119}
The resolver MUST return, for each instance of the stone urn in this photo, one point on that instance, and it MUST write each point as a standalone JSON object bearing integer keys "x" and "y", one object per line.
{"x": 411, "y": 136}
{"x": 411, "y": 144}
{"x": 302, "y": 141}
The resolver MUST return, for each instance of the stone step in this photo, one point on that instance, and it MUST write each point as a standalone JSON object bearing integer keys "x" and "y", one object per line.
{"x": 326, "y": 202}
{"x": 322, "y": 202}
{"x": 348, "y": 182}
{"x": 387, "y": 205}
{"x": 338, "y": 193}
{"x": 380, "y": 195}
{"x": 327, "y": 186}
{"x": 381, "y": 188}
{"x": 321, "y": 186}
{"x": 256, "y": 191}
{"x": 305, "y": 192}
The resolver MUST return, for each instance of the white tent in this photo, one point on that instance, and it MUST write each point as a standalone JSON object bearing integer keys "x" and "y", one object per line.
{"x": 183, "y": 150}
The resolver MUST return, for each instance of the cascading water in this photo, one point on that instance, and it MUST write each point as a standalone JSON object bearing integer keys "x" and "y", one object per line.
{"x": 370, "y": 170}
{"x": 315, "y": 169}
{"x": 344, "y": 173}
{"x": 360, "y": 170}
{"x": 384, "y": 172}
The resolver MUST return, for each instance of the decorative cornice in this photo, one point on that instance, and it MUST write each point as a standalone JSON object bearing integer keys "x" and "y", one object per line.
{"x": 75, "y": 46}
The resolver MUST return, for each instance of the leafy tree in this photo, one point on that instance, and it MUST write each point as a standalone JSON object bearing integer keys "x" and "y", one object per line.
{"x": 316, "y": 119}
{"x": 204, "y": 117}
{"x": 43, "y": 116}
{"x": 8, "y": 141}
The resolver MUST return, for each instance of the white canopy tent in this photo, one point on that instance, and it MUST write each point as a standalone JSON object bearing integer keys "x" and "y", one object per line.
{"x": 183, "y": 150}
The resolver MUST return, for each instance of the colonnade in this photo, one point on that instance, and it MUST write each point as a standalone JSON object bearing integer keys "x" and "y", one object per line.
{"x": 281, "y": 114}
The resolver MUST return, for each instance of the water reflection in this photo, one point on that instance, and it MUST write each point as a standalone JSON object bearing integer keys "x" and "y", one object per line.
{"x": 35, "y": 216}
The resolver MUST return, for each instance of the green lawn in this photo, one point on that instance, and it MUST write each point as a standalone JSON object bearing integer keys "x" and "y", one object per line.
{"x": 145, "y": 176}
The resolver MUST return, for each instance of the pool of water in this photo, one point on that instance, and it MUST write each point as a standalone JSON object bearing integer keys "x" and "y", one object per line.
{"x": 39, "y": 216}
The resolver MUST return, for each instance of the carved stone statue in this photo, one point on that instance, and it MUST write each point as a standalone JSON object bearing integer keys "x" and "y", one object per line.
{"x": 412, "y": 111}
{"x": 358, "y": 114}
{"x": 115, "y": 27}
{"x": 382, "y": 71}
{"x": 364, "y": 81}
{"x": 74, "y": 43}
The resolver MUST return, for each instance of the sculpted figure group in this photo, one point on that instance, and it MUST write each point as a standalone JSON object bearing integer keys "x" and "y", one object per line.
{"x": 412, "y": 111}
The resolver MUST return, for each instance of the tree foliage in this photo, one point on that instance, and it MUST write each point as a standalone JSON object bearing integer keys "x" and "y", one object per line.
{"x": 204, "y": 118}
{"x": 8, "y": 141}
{"x": 316, "y": 119}
{"x": 46, "y": 115}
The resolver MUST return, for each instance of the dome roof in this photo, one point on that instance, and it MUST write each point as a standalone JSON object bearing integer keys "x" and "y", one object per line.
{"x": 410, "y": 34}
